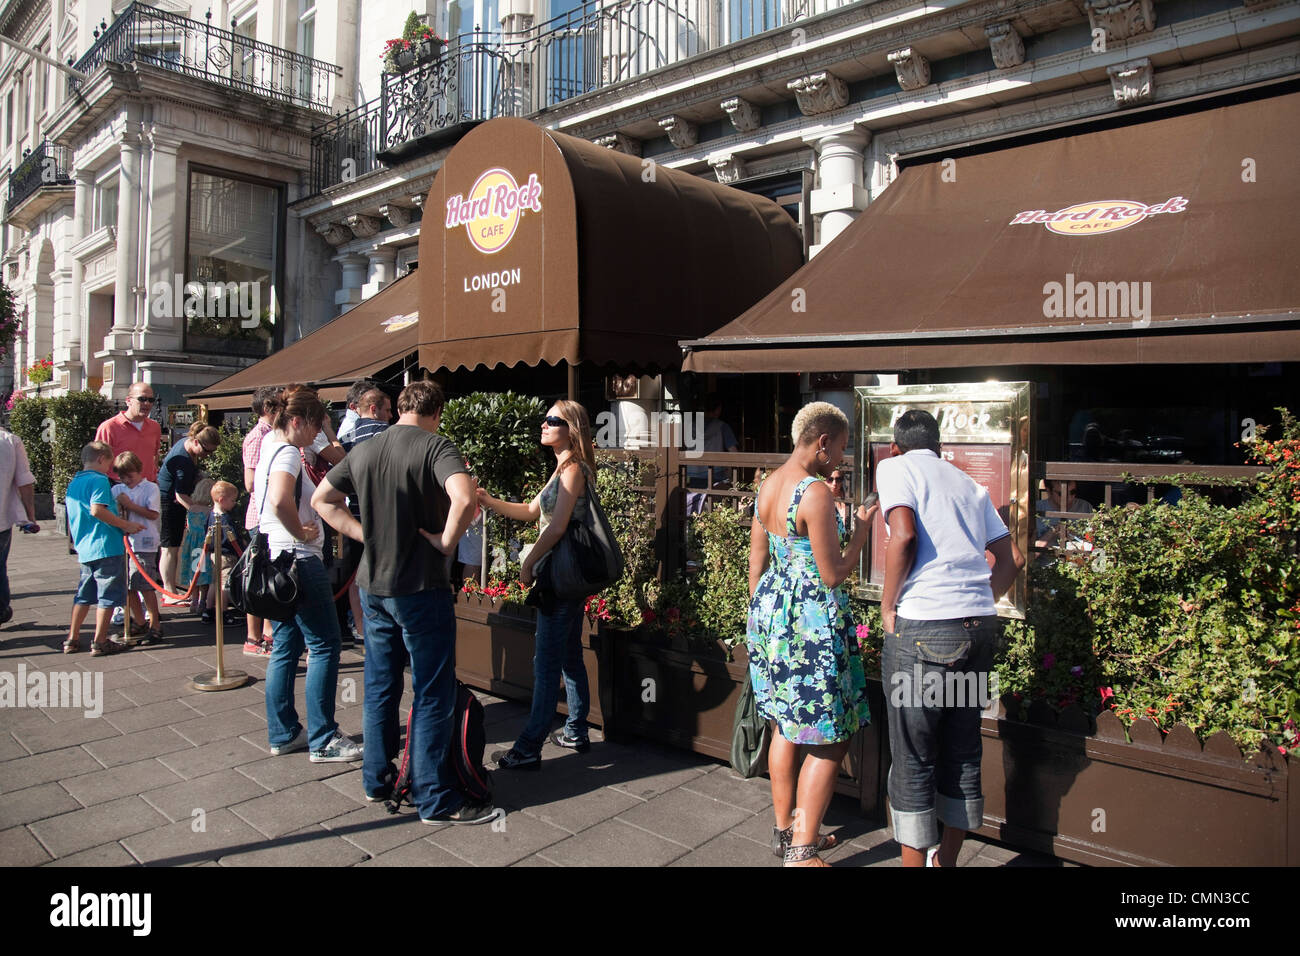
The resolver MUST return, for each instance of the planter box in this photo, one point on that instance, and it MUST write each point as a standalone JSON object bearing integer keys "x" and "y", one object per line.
{"x": 44, "y": 505}
{"x": 429, "y": 50}
{"x": 687, "y": 698}
{"x": 61, "y": 518}
{"x": 1103, "y": 799}
{"x": 494, "y": 652}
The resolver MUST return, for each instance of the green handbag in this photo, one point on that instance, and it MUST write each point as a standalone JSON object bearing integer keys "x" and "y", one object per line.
{"x": 749, "y": 736}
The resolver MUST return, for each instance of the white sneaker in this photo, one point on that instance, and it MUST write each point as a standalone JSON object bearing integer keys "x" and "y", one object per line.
{"x": 339, "y": 749}
{"x": 932, "y": 856}
{"x": 119, "y": 617}
{"x": 298, "y": 743}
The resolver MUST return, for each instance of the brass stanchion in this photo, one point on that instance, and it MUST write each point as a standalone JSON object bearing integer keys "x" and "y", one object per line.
{"x": 126, "y": 604}
{"x": 220, "y": 679}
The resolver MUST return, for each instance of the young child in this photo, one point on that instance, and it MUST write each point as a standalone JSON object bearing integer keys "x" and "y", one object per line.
{"x": 96, "y": 532}
{"x": 139, "y": 499}
{"x": 196, "y": 519}
{"x": 224, "y": 498}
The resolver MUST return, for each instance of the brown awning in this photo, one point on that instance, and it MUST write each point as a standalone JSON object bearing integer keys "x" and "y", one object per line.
{"x": 380, "y": 331}
{"x": 540, "y": 247}
{"x": 1169, "y": 240}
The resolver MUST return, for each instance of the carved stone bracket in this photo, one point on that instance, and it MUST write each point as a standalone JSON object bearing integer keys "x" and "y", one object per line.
{"x": 911, "y": 68}
{"x": 819, "y": 93}
{"x": 1121, "y": 19}
{"x": 744, "y": 114}
{"x": 1132, "y": 82}
{"x": 418, "y": 200}
{"x": 335, "y": 233}
{"x": 1006, "y": 45}
{"x": 727, "y": 168}
{"x": 682, "y": 132}
{"x": 620, "y": 142}
{"x": 364, "y": 226}
{"x": 399, "y": 216}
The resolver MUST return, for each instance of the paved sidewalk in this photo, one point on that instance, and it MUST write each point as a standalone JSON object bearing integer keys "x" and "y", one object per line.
{"x": 169, "y": 776}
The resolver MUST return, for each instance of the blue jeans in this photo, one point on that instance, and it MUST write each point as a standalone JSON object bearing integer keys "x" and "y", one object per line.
{"x": 558, "y": 650}
{"x": 421, "y": 628}
{"x": 317, "y": 626}
{"x": 935, "y": 676}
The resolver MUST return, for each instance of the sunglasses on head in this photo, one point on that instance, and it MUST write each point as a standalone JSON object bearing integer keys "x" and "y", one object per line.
{"x": 555, "y": 421}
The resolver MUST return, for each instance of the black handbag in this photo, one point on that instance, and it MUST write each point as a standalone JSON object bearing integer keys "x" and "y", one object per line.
{"x": 261, "y": 585}
{"x": 587, "y": 559}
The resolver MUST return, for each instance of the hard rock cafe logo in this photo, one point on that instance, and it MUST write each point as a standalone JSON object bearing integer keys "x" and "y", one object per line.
{"x": 398, "y": 322}
{"x": 1098, "y": 216}
{"x": 492, "y": 211}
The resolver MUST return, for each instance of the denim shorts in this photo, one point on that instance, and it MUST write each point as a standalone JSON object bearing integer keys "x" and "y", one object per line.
{"x": 148, "y": 564}
{"x": 936, "y": 677}
{"x": 103, "y": 582}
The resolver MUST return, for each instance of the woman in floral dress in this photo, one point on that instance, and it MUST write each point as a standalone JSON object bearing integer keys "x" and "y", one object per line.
{"x": 804, "y": 659}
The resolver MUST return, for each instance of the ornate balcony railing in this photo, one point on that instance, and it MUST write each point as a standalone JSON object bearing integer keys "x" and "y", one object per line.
{"x": 146, "y": 34}
{"x": 46, "y": 165}
{"x": 481, "y": 76}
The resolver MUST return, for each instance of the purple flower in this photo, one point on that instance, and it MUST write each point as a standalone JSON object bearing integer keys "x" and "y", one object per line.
{"x": 1049, "y": 661}
{"x": 1076, "y": 670}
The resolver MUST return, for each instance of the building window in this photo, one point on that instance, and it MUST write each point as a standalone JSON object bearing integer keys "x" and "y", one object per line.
{"x": 306, "y": 44}
{"x": 104, "y": 203}
{"x": 9, "y": 119}
{"x": 233, "y": 258}
{"x": 21, "y": 85}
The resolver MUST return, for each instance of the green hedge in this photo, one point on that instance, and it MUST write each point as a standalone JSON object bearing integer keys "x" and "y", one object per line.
{"x": 29, "y": 420}
{"x": 76, "y": 416}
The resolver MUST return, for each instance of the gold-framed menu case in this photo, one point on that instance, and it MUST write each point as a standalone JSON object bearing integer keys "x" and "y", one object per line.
{"x": 984, "y": 429}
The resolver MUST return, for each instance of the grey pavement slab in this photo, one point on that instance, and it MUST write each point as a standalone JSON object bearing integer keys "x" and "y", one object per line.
{"x": 35, "y": 803}
{"x": 129, "y": 748}
{"x": 10, "y": 748}
{"x": 230, "y": 723}
{"x": 172, "y": 688}
{"x": 727, "y": 850}
{"x": 82, "y": 829}
{"x": 726, "y": 785}
{"x": 180, "y": 843}
{"x": 218, "y": 755}
{"x": 56, "y": 736}
{"x": 289, "y": 770}
{"x": 19, "y": 848}
{"x": 151, "y": 670}
{"x": 179, "y": 799}
{"x": 376, "y": 831}
{"x": 501, "y": 842}
{"x": 310, "y": 846}
{"x": 100, "y": 786}
{"x": 164, "y": 713}
{"x": 251, "y": 695}
{"x": 107, "y": 854}
{"x": 276, "y": 814}
{"x": 614, "y": 843}
{"x": 23, "y": 772}
{"x": 418, "y": 853}
{"x": 580, "y": 811}
{"x": 535, "y": 860}
{"x": 684, "y": 817}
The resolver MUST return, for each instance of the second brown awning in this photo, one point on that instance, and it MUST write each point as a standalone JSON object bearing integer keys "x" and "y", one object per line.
{"x": 378, "y": 332}
{"x": 1169, "y": 240}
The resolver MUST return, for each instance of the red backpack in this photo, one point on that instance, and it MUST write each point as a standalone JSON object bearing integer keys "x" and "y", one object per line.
{"x": 464, "y": 760}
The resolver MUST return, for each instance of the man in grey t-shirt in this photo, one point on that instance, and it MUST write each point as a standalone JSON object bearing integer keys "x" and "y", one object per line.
{"x": 940, "y": 624}
{"x": 415, "y": 500}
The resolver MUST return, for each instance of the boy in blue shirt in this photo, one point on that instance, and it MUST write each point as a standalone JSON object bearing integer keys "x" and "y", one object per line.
{"x": 96, "y": 532}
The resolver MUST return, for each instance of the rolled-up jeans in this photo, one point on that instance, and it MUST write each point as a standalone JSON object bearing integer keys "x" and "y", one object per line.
{"x": 937, "y": 681}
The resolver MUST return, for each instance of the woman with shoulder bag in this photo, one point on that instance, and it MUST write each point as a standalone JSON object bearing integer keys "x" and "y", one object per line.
{"x": 566, "y": 430}
{"x": 290, "y": 525}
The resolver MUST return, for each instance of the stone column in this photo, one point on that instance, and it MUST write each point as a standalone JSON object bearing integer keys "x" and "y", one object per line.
{"x": 166, "y": 251}
{"x": 76, "y": 350}
{"x": 382, "y": 267}
{"x": 128, "y": 244}
{"x": 840, "y": 195}
{"x": 354, "y": 278}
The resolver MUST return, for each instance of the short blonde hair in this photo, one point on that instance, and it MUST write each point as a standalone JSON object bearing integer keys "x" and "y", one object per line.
{"x": 818, "y": 418}
{"x": 224, "y": 489}
{"x": 93, "y": 451}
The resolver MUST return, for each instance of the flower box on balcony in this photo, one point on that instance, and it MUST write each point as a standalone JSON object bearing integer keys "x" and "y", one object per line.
{"x": 430, "y": 49}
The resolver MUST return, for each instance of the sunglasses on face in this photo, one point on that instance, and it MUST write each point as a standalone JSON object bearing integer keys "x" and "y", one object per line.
{"x": 145, "y": 399}
{"x": 555, "y": 421}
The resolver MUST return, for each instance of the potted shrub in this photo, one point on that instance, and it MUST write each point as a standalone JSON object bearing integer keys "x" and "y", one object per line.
{"x": 429, "y": 45}
{"x": 398, "y": 56}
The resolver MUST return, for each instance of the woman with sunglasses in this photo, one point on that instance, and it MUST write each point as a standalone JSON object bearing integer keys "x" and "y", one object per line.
{"x": 566, "y": 430}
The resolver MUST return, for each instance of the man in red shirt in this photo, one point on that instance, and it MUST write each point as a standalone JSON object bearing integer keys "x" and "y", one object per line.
{"x": 133, "y": 430}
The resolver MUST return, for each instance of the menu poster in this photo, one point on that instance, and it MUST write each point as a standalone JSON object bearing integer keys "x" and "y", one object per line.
{"x": 988, "y": 464}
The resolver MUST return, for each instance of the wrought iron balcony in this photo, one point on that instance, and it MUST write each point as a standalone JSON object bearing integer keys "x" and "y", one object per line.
{"x": 46, "y": 165}
{"x": 484, "y": 75}
{"x": 145, "y": 34}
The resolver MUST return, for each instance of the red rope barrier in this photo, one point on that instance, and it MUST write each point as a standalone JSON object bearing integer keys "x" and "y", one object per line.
{"x": 189, "y": 592}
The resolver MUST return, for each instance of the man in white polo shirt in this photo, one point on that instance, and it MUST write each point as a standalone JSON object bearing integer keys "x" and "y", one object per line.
{"x": 939, "y": 617}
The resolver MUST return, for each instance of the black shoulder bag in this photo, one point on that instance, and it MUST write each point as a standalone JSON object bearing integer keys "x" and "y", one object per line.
{"x": 587, "y": 559}
{"x": 262, "y": 586}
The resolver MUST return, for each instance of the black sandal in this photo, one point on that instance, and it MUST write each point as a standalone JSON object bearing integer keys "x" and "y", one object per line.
{"x": 106, "y": 649}
{"x": 801, "y": 854}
